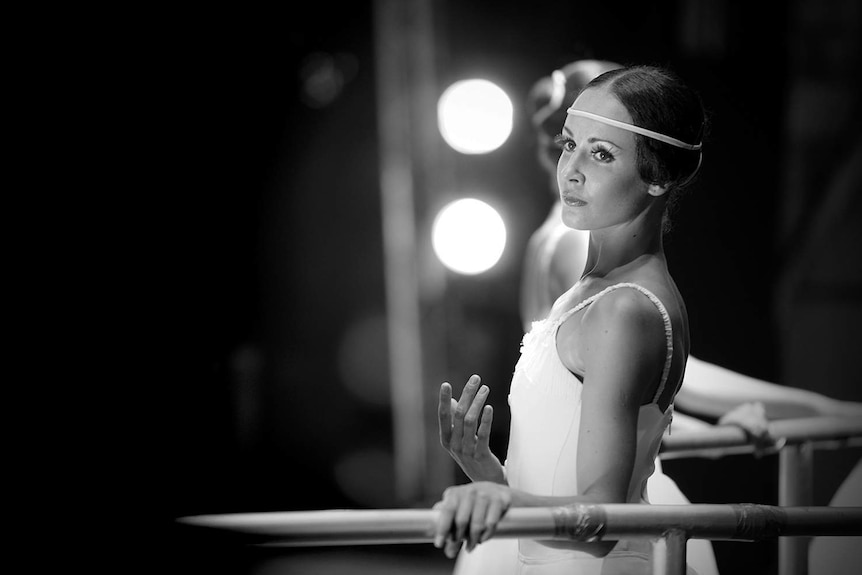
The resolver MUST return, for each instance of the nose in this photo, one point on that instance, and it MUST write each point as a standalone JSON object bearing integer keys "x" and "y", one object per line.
{"x": 569, "y": 167}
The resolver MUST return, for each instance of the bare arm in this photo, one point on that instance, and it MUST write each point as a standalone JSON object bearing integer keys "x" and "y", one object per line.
{"x": 710, "y": 390}
{"x": 623, "y": 349}
{"x": 616, "y": 326}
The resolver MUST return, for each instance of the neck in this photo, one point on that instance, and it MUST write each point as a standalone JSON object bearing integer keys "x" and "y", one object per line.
{"x": 623, "y": 246}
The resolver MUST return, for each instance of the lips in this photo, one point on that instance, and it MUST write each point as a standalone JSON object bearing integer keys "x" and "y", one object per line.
{"x": 573, "y": 201}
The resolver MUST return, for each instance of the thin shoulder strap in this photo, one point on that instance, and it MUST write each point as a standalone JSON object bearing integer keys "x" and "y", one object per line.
{"x": 668, "y": 327}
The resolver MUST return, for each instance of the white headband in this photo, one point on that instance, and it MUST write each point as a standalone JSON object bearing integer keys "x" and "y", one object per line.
{"x": 635, "y": 129}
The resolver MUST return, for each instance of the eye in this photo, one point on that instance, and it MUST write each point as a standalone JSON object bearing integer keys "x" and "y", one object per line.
{"x": 602, "y": 154}
{"x": 564, "y": 143}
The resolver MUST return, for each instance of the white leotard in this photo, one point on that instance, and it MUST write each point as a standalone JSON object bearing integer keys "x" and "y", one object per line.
{"x": 542, "y": 458}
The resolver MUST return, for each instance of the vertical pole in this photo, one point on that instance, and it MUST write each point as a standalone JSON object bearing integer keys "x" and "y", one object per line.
{"x": 399, "y": 231}
{"x": 404, "y": 54}
{"x": 669, "y": 553}
{"x": 795, "y": 484}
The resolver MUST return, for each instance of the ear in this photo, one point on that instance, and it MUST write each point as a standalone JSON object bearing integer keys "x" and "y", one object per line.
{"x": 656, "y": 190}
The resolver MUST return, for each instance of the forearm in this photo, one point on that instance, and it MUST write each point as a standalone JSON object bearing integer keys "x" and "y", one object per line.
{"x": 711, "y": 391}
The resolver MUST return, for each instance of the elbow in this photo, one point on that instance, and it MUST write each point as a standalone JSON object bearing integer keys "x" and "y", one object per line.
{"x": 598, "y": 549}
{"x": 599, "y": 496}
{"x": 602, "y": 548}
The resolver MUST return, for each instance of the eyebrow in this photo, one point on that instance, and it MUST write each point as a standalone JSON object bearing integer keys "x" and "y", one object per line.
{"x": 593, "y": 140}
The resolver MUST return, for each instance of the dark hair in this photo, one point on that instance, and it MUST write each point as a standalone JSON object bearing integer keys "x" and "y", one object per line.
{"x": 657, "y": 99}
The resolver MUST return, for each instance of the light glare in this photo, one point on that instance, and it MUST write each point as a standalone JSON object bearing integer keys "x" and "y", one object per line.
{"x": 474, "y": 116}
{"x": 468, "y": 236}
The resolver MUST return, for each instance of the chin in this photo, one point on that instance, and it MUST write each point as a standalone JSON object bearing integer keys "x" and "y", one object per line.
{"x": 572, "y": 222}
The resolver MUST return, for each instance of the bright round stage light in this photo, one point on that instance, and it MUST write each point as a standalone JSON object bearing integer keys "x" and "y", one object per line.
{"x": 474, "y": 116}
{"x": 468, "y": 236}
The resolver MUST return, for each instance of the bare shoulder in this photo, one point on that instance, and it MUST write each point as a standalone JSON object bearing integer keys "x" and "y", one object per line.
{"x": 624, "y": 311}
{"x": 619, "y": 345}
{"x": 625, "y": 343}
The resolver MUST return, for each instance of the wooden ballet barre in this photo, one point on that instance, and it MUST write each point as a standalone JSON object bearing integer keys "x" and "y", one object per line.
{"x": 824, "y": 432}
{"x": 609, "y": 522}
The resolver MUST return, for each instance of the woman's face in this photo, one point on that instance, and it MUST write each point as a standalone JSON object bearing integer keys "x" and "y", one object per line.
{"x": 597, "y": 172}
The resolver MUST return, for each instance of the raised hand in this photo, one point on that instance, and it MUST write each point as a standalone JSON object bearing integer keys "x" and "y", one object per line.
{"x": 469, "y": 514}
{"x": 465, "y": 430}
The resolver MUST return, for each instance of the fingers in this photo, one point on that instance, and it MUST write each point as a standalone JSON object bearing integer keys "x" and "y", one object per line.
{"x": 468, "y": 513}
{"x": 452, "y": 547}
{"x": 477, "y": 522}
{"x": 455, "y": 510}
{"x": 443, "y": 525}
{"x": 463, "y": 514}
{"x": 471, "y": 420}
{"x": 464, "y": 404}
{"x": 483, "y": 434}
{"x": 492, "y": 518}
{"x": 444, "y": 414}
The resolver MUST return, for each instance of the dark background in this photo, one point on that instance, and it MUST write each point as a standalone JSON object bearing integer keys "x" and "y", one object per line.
{"x": 256, "y": 310}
